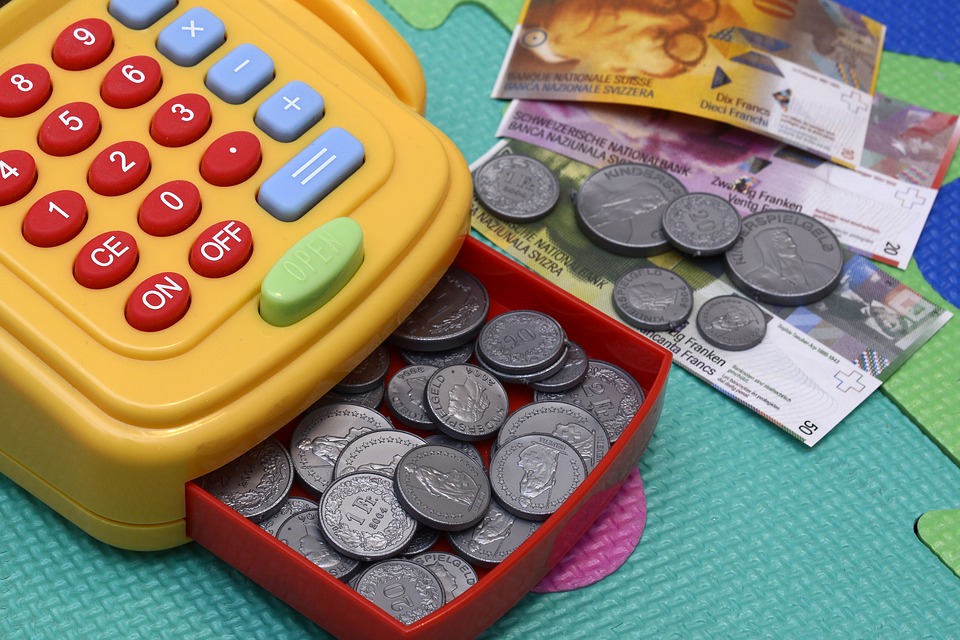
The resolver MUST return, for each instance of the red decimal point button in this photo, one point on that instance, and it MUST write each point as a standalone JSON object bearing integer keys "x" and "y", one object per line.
{"x": 231, "y": 159}
{"x": 69, "y": 129}
{"x": 84, "y": 44}
{"x": 131, "y": 82}
{"x": 119, "y": 169}
{"x": 55, "y": 219}
{"x": 158, "y": 302}
{"x": 24, "y": 89}
{"x": 170, "y": 208}
{"x": 18, "y": 174}
{"x": 106, "y": 260}
{"x": 221, "y": 249}
{"x": 181, "y": 120}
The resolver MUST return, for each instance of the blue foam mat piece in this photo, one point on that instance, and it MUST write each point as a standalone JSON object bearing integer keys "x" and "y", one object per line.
{"x": 926, "y": 28}
{"x": 937, "y": 253}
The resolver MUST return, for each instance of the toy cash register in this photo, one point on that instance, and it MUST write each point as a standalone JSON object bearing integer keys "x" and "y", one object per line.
{"x": 210, "y": 213}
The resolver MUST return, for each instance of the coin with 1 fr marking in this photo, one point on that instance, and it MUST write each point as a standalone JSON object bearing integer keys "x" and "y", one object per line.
{"x": 516, "y": 188}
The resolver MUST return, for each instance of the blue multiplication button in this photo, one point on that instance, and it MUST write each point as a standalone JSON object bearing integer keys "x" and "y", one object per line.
{"x": 240, "y": 74}
{"x": 140, "y": 14}
{"x": 191, "y": 37}
{"x": 288, "y": 113}
{"x": 310, "y": 175}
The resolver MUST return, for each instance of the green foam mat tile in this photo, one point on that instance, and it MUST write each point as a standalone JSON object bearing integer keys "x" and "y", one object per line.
{"x": 940, "y": 530}
{"x": 430, "y": 14}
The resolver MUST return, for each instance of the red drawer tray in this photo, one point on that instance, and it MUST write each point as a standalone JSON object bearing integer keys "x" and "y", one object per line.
{"x": 341, "y": 611}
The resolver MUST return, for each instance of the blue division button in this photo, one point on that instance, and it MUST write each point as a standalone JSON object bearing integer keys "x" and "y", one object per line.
{"x": 288, "y": 113}
{"x": 140, "y": 14}
{"x": 240, "y": 74}
{"x": 192, "y": 37}
{"x": 313, "y": 173}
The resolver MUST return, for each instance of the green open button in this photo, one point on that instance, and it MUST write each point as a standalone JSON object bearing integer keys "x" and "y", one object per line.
{"x": 311, "y": 272}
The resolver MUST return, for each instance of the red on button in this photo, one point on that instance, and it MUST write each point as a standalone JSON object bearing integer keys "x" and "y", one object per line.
{"x": 84, "y": 44}
{"x": 158, "y": 302}
{"x": 181, "y": 120}
{"x": 18, "y": 174}
{"x": 24, "y": 89}
{"x": 119, "y": 169}
{"x": 131, "y": 82}
{"x": 69, "y": 129}
{"x": 55, "y": 219}
{"x": 170, "y": 208}
{"x": 231, "y": 159}
{"x": 106, "y": 260}
{"x": 221, "y": 249}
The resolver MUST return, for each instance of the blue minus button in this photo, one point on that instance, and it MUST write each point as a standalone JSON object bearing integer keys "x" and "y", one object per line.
{"x": 313, "y": 173}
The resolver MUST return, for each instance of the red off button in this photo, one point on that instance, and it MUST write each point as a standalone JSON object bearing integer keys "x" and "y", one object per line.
{"x": 158, "y": 302}
{"x": 221, "y": 249}
{"x": 106, "y": 260}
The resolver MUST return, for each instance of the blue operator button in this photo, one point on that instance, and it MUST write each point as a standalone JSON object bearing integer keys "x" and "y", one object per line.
{"x": 191, "y": 37}
{"x": 140, "y": 14}
{"x": 240, "y": 74}
{"x": 313, "y": 173}
{"x": 287, "y": 114}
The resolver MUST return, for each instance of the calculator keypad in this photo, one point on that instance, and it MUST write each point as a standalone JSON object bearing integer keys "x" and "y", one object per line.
{"x": 171, "y": 208}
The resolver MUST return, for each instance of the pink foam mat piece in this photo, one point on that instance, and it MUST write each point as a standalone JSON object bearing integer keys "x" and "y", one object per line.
{"x": 606, "y": 545}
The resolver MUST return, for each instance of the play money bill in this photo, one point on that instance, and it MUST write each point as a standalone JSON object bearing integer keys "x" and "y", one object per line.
{"x": 872, "y": 213}
{"x": 815, "y": 364}
{"x": 801, "y": 71}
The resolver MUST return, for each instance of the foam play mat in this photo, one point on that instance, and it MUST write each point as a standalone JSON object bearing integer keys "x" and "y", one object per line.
{"x": 747, "y": 533}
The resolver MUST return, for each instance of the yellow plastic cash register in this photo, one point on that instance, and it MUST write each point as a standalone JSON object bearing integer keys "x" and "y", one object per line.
{"x": 210, "y": 212}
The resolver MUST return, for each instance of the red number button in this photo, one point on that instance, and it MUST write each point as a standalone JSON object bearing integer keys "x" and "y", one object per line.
{"x": 84, "y": 44}
{"x": 24, "y": 89}
{"x": 18, "y": 174}
{"x": 231, "y": 159}
{"x": 158, "y": 302}
{"x": 106, "y": 260}
{"x": 55, "y": 219}
{"x": 69, "y": 129}
{"x": 221, "y": 249}
{"x": 181, "y": 120}
{"x": 131, "y": 82}
{"x": 119, "y": 169}
{"x": 170, "y": 208}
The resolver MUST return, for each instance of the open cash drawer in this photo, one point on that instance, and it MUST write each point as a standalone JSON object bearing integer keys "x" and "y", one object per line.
{"x": 334, "y": 606}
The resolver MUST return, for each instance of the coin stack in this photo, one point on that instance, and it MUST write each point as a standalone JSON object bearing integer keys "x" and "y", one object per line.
{"x": 406, "y": 515}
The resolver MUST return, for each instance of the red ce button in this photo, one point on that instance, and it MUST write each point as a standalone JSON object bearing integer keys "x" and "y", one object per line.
{"x": 106, "y": 260}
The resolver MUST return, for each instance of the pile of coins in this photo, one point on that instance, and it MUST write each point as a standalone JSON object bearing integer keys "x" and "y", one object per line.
{"x": 377, "y": 499}
{"x": 777, "y": 257}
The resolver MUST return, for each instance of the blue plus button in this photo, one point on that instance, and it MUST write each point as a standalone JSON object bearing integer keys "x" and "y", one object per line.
{"x": 240, "y": 74}
{"x": 288, "y": 113}
{"x": 191, "y": 37}
{"x": 313, "y": 173}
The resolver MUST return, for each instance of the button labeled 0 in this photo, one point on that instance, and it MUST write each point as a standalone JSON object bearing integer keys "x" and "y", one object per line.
{"x": 106, "y": 260}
